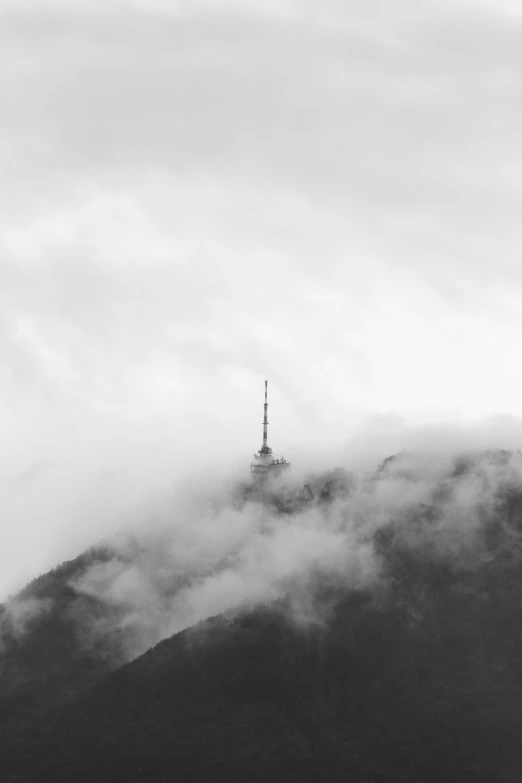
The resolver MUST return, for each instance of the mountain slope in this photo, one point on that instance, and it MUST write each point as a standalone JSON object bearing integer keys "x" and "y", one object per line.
{"x": 44, "y": 656}
{"x": 417, "y": 678}
{"x": 377, "y": 695}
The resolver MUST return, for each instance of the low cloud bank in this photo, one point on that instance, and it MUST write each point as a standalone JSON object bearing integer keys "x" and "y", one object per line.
{"x": 226, "y": 552}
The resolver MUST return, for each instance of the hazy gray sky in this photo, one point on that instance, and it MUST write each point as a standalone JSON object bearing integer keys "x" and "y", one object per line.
{"x": 198, "y": 195}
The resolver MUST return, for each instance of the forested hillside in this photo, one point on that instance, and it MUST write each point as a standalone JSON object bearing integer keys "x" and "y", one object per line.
{"x": 414, "y": 676}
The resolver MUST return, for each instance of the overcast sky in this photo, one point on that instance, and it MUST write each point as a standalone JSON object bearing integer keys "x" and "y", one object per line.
{"x": 198, "y": 195}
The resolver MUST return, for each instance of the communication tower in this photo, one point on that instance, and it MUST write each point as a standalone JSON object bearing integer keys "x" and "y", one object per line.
{"x": 265, "y": 464}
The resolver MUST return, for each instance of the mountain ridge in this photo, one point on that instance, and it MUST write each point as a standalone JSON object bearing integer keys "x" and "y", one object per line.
{"x": 415, "y": 676}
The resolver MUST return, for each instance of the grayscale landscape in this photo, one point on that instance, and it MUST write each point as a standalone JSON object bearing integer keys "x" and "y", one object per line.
{"x": 261, "y": 413}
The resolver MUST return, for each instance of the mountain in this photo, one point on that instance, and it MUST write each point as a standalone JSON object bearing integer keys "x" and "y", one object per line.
{"x": 44, "y": 657}
{"x": 368, "y": 698}
{"x": 416, "y": 678}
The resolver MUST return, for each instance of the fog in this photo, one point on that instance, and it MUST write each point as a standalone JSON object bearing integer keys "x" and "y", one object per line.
{"x": 227, "y": 552}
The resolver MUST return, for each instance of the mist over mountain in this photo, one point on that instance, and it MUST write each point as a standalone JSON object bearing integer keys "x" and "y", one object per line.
{"x": 199, "y": 197}
{"x": 365, "y": 626}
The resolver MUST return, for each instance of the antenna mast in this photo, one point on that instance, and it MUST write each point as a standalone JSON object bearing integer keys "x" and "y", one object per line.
{"x": 265, "y": 448}
{"x": 263, "y": 463}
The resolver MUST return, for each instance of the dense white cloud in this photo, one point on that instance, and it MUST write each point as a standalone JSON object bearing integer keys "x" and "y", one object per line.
{"x": 217, "y": 555}
{"x": 199, "y": 195}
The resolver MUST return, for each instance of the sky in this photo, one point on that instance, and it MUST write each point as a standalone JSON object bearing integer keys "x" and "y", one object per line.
{"x": 196, "y": 196}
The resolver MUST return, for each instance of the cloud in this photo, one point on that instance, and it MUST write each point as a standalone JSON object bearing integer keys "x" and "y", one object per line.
{"x": 225, "y": 555}
{"x": 17, "y": 613}
{"x": 336, "y": 111}
{"x": 226, "y": 560}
